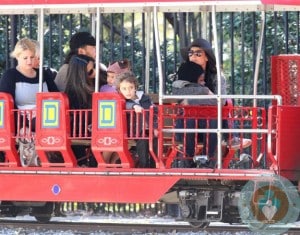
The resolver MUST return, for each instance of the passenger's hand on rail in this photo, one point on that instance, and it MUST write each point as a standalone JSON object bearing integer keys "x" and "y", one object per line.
{"x": 210, "y": 92}
{"x": 138, "y": 108}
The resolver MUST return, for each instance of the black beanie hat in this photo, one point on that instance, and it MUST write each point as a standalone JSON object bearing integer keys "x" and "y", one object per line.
{"x": 201, "y": 43}
{"x": 189, "y": 71}
{"x": 81, "y": 39}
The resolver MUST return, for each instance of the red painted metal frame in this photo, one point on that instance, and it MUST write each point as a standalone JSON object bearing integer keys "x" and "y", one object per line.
{"x": 244, "y": 117}
{"x": 124, "y": 184}
{"x": 286, "y": 78}
{"x": 69, "y": 182}
{"x": 210, "y": 2}
{"x": 7, "y": 131}
{"x": 33, "y": 2}
{"x": 281, "y": 2}
{"x": 287, "y": 145}
{"x": 285, "y": 119}
{"x": 36, "y": 2}
{"x": 90, "y": 185}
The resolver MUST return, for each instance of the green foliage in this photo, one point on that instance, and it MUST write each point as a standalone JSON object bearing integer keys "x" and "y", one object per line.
{"x": 123, "y": 36}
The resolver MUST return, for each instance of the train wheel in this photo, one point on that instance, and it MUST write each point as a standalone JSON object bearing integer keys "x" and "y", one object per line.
{"x": 199, "y": 224}
{"x": 43, "y": 214}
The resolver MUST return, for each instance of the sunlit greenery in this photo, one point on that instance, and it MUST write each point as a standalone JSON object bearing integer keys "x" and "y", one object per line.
{"x": 123, "y": 36}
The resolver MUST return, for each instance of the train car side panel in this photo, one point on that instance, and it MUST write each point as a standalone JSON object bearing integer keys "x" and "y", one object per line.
{"x": 84, "y": 188}
{"x": 288, "y": 141}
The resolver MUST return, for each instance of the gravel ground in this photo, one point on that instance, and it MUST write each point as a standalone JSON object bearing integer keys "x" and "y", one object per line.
{"x": 87, "y": 218}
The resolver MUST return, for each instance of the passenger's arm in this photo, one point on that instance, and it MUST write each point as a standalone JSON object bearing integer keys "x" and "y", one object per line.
{"x": 130, "y": 104}
{"x": 195, "y": 90}
{"x": 48, "y": 75}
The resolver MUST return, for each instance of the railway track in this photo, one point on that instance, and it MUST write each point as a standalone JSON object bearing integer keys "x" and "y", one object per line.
{"x": 136, "y": 226}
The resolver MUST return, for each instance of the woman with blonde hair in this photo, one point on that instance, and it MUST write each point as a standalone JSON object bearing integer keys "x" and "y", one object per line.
{"x": 22, "y": 82}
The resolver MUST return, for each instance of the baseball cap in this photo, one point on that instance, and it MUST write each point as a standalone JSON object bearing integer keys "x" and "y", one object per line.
{"x": 81, "y": 39}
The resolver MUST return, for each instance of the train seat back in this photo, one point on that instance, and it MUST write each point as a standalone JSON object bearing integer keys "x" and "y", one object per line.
{"x": 53, "y": 128}
{"x": 109, "y": 127}
{"x": 7, "y": 131}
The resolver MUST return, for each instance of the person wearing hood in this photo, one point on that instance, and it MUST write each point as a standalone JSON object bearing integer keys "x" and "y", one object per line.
{"x": 191, "y": 81}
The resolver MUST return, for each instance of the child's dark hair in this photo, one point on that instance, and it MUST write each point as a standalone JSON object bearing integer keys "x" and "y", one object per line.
{"x": 127, "y": 76}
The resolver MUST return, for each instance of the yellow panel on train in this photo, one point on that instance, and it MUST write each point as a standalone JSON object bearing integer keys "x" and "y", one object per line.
{"x": 50, "y": 114}
{"x": 1, "y": 113}
{"x": 107, "y": 114}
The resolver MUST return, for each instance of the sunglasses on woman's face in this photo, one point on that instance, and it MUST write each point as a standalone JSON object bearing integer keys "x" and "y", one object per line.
{"x": 197, "y": 53}
{"x": 90, "y": 72}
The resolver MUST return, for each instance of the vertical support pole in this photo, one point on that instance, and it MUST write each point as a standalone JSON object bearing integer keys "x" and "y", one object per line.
{"x": 219, "y": 100}
{"x": 41, "y": 17}
{"x": 148, "y": 35}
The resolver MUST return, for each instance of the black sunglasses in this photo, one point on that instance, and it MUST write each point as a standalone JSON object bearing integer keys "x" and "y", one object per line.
{"x": 90, "y": 72}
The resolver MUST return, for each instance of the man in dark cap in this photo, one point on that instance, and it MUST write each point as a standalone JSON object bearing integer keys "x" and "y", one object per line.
{"x": 81, "y": 43}
{"x": 80, "y": 40}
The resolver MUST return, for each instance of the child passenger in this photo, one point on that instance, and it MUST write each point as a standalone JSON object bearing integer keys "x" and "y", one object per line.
{"x": 113, "y": 70}
{"x": 127, "y": 85}
{"x": 191, "y": 82}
